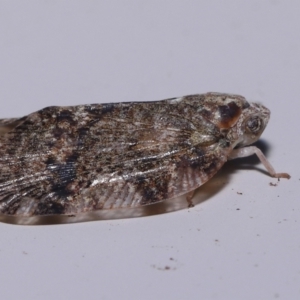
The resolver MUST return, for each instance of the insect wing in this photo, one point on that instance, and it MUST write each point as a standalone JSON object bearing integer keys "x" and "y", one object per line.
{"x": 64, "y": 160}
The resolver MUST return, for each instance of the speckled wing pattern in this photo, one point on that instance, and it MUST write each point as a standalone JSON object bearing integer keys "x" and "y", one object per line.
{"x": 68, "y": 160}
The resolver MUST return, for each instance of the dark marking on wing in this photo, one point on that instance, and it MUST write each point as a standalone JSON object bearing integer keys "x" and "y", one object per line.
{"x": 229, "y": 114}
{"x": 50, "y": 208}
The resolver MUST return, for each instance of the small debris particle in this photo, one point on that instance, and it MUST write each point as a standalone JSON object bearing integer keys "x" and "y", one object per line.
{"x": 166, "y": 268}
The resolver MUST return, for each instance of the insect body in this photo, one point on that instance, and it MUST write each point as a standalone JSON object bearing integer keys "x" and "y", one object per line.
{"x": 68, "y": 160}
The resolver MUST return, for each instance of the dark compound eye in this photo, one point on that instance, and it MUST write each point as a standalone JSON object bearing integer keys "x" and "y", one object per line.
{"x": 254, "y": 124}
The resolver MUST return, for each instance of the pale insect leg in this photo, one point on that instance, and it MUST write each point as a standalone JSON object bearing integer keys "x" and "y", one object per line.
{"x": 189, "y": 197}
{"x": 247, "y": 151}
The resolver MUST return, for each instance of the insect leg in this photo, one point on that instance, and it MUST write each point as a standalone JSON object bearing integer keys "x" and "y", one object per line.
{"x": 189, "y": 197}
{"x": 247, "y": 151}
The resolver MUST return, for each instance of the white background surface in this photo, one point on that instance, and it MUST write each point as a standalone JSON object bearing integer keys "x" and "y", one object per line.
{"x": 230, "y": 246}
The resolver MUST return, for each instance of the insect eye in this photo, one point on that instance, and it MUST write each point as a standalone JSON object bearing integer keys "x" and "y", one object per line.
{"x": 254, "y": 124}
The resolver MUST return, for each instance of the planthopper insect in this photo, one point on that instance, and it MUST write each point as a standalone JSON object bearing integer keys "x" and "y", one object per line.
{"x": 70, "y": 160}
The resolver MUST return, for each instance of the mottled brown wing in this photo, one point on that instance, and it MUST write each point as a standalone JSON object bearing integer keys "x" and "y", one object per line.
{"x": 154, "y": 179}
{"x": 76, "y": 159}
